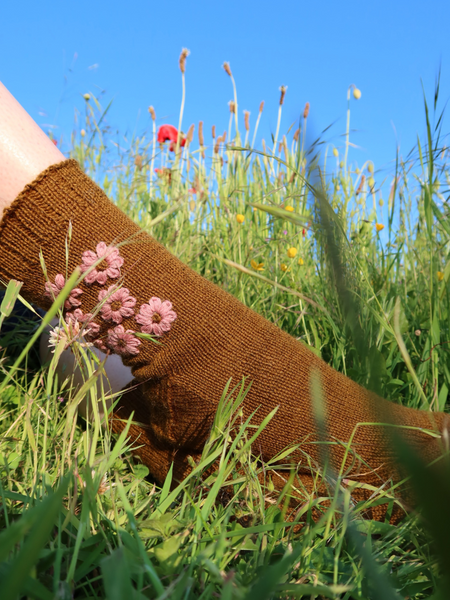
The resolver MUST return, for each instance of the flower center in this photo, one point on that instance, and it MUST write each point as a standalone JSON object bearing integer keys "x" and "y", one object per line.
{"x": 102, "y": 266}
{"x": 116, "y": 305}
{"x": 121, "y": 342}
{"x": 156, "y": 318}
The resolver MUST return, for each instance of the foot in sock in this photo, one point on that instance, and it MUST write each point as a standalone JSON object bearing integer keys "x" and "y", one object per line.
{"x": 206, "y": 338}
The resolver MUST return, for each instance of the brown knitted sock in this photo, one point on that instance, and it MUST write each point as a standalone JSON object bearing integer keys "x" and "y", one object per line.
{"x": 206, "y": 337}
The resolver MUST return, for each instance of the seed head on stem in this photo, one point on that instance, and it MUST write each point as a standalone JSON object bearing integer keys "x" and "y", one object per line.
{"x": 201, "y": 141}
{"x": 226, "y": 66}
{"x": 361, "y": 184}
{"x": 190, "y": 134}
{"x": 247, "y": 120}
{"x": 213, "y": 132}
{"x": 232, "y": 106}
{"x": 217, "y": 146}
{"x": 306, "y": 111}
{"x": 283, "y": 89}
{"x": 184, "y": 54}
{"x": 151, "y": 110}
{"x": 296, "y": 135}
{"x": 261, "y": 107}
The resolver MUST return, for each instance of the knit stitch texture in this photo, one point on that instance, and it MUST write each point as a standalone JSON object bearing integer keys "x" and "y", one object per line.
{"x": 206, "y": 338}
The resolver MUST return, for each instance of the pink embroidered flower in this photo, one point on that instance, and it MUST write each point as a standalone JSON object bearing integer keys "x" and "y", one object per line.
{"x": 118, "y": 304}
{"x": 156, "y": 316}
{"x": 109, "y": 267}
{"x": 52, "y": 290}
{"x": 123, "y": 342}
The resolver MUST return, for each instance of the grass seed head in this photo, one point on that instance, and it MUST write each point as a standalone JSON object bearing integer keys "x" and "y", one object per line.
{"x": 261, "y": 106}
{"x": 190, "y": 134}
{"x": 151, "y": 110}
{"x": 296, "y": 135}
{"x": 184, "y": 54}
{"x": 226, "y": 66}
{"x": 247, "y": 120}
{"x": 201, "y": 141}
{"x": 306, "y": 111}
{"x": 361, "y": 184}
{"x": 138, "y": 161}
{"x": 283, "y": 89}
{"x": 232, "y": 106}
{"x": 213, "y": 132}
{"x": 335, "y": 152}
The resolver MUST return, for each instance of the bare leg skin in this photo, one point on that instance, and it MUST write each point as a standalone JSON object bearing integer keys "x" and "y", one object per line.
{"x": 25, "y": 150}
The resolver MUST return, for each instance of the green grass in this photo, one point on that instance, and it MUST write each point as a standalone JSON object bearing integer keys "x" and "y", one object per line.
{"x": 80, "y": 518}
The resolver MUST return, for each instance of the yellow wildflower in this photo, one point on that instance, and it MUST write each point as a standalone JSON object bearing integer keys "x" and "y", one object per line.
{"x": 440, "y": 275}
{"x": 379, "y": 226}
{"x": 300, "y": 261}
{"x": 356, "y": 94}
{"x": 240, "y": 218}
{"x": 292, "y": 252}
{"x": 283, "y": 267}
{"x": 257, "y": 266}
{"x": 336, "y": 152}
{"x": 82, "y": 133}
{"x": 289, "y": 208}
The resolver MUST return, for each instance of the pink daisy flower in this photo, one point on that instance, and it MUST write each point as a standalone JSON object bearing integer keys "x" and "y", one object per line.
{"x": 109, "y": 267}
{"x": 118, "y": 304}
{"x": 156, "y": 317}
{"x": 122, "y": 342}
{"x": 52, "y": 290}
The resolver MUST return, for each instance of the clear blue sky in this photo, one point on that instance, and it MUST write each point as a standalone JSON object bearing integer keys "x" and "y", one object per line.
{"x": 52, "y": 52}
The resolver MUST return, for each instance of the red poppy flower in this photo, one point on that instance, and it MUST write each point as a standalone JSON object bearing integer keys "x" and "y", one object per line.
{"x": 170, "y": 133}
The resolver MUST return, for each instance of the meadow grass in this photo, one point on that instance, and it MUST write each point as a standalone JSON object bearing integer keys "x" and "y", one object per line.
{"x": 367, "y": 290}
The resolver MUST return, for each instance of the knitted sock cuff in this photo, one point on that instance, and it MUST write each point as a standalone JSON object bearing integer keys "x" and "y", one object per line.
{"x": 63, "y": 198}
